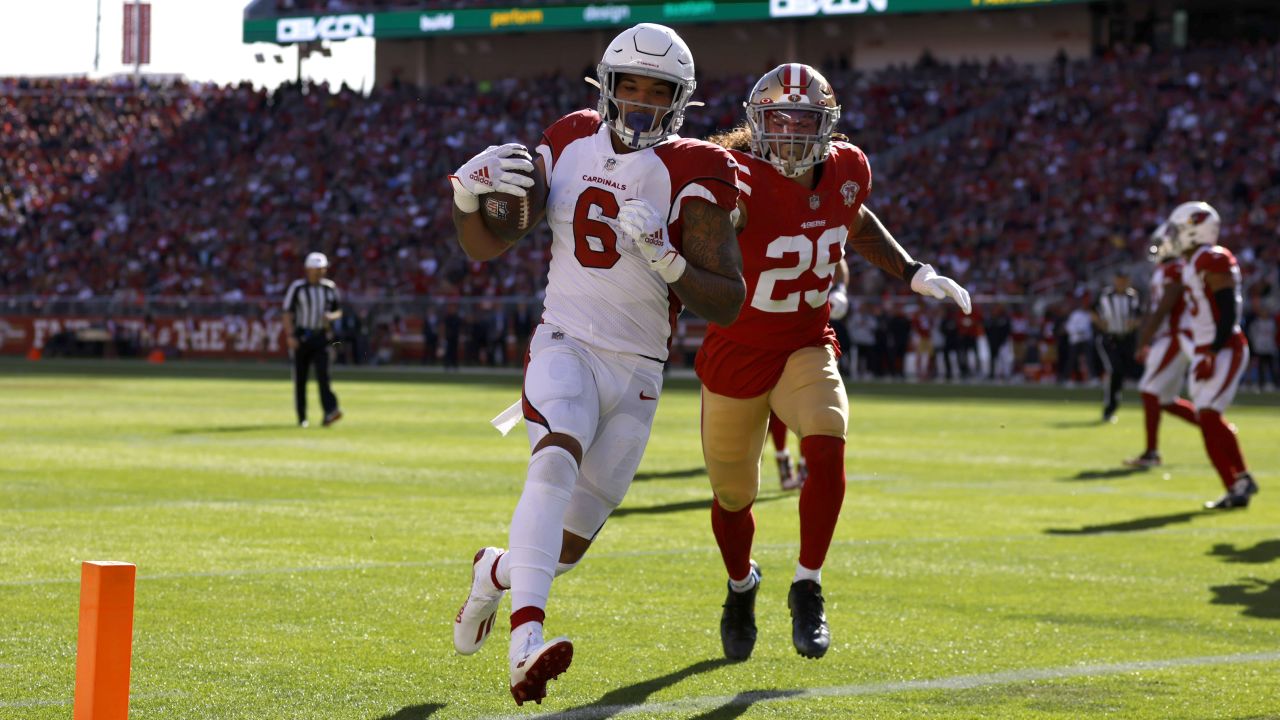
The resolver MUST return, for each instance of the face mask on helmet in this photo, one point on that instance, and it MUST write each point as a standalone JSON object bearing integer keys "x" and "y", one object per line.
{"x": 792, "y": 113}
{"x": 1161, "y": 247}
{"x": 646, "y": 51}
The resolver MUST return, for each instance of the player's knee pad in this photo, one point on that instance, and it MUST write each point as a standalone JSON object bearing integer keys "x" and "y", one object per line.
{"x": 564, "y": 567}
{"x": 553, "y": 469}
{"x": 735, "y": 496}
{"x": 588, "y": 509}
{"x": 829, "y": 421}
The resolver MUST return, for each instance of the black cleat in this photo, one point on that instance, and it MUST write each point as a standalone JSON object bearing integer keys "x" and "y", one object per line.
{"x": 1148, "y": 459}
{"x": 738, "y": 621}
{"x": 809, "y": 629}
{"x": 1238, "y": 497}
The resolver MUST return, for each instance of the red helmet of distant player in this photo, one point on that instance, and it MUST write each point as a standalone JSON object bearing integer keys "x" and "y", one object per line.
{"x": 792, "y": 113}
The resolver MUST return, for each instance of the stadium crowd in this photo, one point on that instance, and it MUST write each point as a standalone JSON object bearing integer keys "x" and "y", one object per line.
{"x": 1018, "y": 181}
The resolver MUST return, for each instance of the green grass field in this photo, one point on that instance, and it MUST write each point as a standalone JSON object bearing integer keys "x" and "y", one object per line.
{"x": 992, "y": 561}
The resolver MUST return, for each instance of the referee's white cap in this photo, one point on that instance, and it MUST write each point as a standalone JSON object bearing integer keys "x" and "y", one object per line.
{"x": 316, "y": 260}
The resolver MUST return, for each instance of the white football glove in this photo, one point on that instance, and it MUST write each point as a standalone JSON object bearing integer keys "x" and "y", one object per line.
{"x": 928, "y": 282}
{"x": 839, "y": 300}
{"x": 487, "y": 172}
{"x": 641, "y": 223}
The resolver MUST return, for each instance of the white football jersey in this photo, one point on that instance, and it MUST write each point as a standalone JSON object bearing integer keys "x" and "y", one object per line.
{"x": 600, "y": 290}
{"x": 1202, "y": 308}
{"x": 1165, "y": 274}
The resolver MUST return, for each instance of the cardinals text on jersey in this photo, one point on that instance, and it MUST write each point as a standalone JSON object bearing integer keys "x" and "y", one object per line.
{"x": 599, "y": 290}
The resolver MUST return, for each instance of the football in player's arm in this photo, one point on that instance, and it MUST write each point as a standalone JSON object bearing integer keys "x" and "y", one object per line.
{"x": 640, "y": 222}
{"x": 802, "y": 202}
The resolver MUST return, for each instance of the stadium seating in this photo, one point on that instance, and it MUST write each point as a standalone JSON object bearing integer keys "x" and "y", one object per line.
{"x": 1015, "y": 180}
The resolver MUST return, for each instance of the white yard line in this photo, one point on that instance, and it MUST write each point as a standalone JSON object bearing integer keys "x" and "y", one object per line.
{"x": 954, "y": 683}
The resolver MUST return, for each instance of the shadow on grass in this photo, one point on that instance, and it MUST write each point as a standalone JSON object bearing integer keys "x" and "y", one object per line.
{"x": 414, "y": 712}
{"x": 1106, "y": 474}
{"x": 626, "y": 698}
{"x": 229, "y": 429}
{"x": 704, "y": 504}
{"x": 672, "y": 474}
{"x": 1261, "y": 599}
{"x": 1135, "y": 525}
{"x": 1264, "y": 552}
{"x": 743, "y": 702}
{"x": 1072, "y": 424}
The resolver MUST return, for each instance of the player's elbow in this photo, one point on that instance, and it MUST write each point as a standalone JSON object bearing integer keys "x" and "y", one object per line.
{"x": 726, "y": 312}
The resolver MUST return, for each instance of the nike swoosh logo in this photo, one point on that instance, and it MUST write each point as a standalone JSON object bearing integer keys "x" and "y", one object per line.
{"x": 646, "y": 397}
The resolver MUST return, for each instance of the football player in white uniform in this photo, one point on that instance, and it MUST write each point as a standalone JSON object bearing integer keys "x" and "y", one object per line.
{"x": 640, "y": 222}
{"x": 1211, "y": 277}
{"x": 1164, "y": 347}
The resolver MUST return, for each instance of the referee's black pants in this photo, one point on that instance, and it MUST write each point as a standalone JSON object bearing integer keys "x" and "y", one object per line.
{"x": 1116, "y": 353}
{"x": 313, "y": 349}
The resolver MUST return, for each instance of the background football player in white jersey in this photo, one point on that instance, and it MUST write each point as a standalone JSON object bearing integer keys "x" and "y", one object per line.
{"x": 1164, "y": 347}
{"x": 640, "y": 220}
{"x": 1211, "y": 277}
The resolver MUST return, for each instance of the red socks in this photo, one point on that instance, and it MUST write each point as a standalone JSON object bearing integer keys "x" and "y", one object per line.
{"x": 1151, "y": 407}
{"x": 1183, "y": 409}
{"x": 526, "y": 615}
{"x": 821, "y": 497}
{"x": 1223, "y": 447}
{"x": 734, "y": 532}
{"x": 778, "y": 432}
{"x": 1151, "y": 414}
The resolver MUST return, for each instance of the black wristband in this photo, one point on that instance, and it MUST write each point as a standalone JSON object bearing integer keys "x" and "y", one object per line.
{"x": 1226, "y": 301}
{"x": 912, "y": 268}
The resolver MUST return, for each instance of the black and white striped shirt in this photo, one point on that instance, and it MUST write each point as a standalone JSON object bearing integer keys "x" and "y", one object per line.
{"x": 1118, "y": 312}
{"x": 309, "y": 303}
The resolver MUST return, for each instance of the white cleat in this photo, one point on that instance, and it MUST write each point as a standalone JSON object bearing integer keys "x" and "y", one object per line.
{"x": 475, "y": 619}
{"x": 540, "y": 662}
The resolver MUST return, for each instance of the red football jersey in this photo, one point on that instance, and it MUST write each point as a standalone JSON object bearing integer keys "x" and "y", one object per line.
{"x": 793, "y": 240}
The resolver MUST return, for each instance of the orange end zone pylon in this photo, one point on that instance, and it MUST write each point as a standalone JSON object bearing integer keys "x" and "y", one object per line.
{"x": 105, "y": 647}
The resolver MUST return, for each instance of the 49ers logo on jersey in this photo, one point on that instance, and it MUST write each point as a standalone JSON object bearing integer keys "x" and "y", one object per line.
{"x": 849, "y": 191}
{"x": 482, "y": 176}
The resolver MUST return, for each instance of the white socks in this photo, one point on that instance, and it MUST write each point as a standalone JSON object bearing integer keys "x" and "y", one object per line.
{"x": 804, "y": 573}
{"x": 503, "y": 570}
{"x": 746, "y": 583}
{"x": 537, "y": 526}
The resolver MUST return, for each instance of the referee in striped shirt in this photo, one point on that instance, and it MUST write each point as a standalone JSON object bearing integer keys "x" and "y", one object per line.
{"x": 311, "y": 304}
{"x": 1116, "y": 315}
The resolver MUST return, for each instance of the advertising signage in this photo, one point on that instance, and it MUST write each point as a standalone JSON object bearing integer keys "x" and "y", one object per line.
{"x": 476, "y": 21}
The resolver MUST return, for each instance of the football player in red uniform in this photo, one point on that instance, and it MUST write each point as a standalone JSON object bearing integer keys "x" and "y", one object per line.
{"x": 801, "y": 202}
{"x": 1211, "y": 277}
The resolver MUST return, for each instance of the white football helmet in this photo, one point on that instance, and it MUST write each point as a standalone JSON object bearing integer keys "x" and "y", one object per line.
{"x": 803, "y": 100}
{"x": 1192, "y": 224}
{"x": 653, "y": 51}
{"x": 1161, "y": 246}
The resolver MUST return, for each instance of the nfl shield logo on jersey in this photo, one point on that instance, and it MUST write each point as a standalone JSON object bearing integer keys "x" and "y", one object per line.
{"x": 850, "y": 192}
{"x": 814, "y": 202}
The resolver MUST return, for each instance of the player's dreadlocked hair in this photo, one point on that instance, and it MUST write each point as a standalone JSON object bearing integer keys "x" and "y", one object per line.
{"x": 739, "y": 138}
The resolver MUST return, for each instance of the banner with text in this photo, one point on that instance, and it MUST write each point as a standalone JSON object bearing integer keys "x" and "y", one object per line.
{"x": 196, "y": 337}
{"x": 473, "y": 21}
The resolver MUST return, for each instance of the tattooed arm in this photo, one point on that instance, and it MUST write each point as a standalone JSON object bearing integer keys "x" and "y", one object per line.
{"x": 712, "y": 284}
{"x": 869, "y": 238}
{"x": 872, "y": 241}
